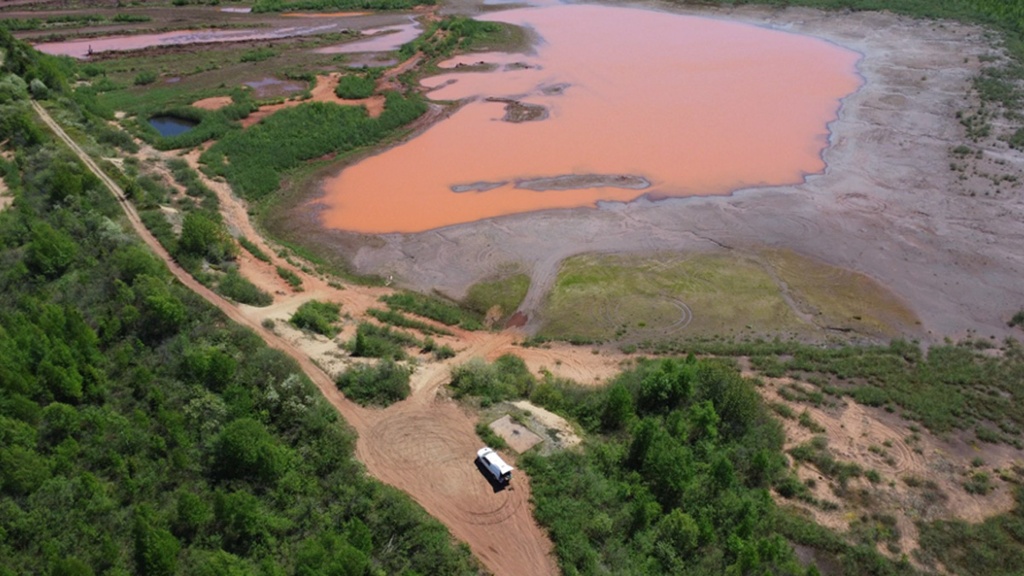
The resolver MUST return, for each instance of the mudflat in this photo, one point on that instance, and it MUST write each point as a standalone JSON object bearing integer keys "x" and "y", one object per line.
{"x": 887, "y": 205}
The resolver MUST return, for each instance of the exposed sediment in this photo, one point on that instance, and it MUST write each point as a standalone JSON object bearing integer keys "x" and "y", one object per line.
{"x": 582, "y": 181}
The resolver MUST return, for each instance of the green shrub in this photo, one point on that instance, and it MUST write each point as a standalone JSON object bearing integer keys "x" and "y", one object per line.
{"x": 145, "y": 77}
{"x": 979, "y": 483}
{"x": 489, "y": 437}
{"x": 504, "y": 379}
{"x": 355, "y": 87}
{"x": 373, "y": 341}
{"x": 319, "y": 317}
{"x": 1017, "y": 320}
{"x": 204, "y": 236}
{"x": 378, "y": 384}
{"x": 443, "y": 352}
{"x": 434, "y": 308}
{"x": 290, "y": 277}
{"x": 258, "y": 54}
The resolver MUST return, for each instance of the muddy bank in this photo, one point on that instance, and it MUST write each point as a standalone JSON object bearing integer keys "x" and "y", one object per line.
{"x": 887, "y": 204}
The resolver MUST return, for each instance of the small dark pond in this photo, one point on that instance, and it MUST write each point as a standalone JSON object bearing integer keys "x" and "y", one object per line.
{"x": 169, "y": 126}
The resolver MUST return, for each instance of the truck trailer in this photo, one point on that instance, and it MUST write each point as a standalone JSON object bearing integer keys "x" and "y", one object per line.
{"x": 497, "y": 467}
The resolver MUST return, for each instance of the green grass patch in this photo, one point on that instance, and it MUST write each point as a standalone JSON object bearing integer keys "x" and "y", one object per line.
{"x": 816, "y": 452}
{"x": 253, "y": 249}
{"x": 319, "y": 317}
{"x": 443, "y": 311}
{"x": 253, "y": 160}
{"x": 808, "y": 422}
{"x": 238, "y": 288}
{"x": 258, "y": 54}
{"x": 193, "y": 184}
{"x": 380, "y": 384}
{"x": 614, "y": 297}
{"x": 505, "y": 292}
{"x": 840, "y": 298}
{"x": 609, "y": 297}
{"x": 995, "y": 546}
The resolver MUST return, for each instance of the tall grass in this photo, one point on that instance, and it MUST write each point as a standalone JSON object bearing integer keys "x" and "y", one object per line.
{"x": 253, "y": 160}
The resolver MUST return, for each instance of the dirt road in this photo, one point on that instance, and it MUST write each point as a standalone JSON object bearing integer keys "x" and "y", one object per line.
{"x": 424, "y": 446}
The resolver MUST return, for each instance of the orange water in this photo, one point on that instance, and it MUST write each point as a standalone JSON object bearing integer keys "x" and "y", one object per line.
{"x": 697, "y": 106}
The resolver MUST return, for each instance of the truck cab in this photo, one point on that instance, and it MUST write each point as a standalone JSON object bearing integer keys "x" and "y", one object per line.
{"x": 499, "y": 470}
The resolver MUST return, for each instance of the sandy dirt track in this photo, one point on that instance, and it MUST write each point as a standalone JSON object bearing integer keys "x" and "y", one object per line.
{"x": 422, "y": 445}
{"x": 887, "y": 205}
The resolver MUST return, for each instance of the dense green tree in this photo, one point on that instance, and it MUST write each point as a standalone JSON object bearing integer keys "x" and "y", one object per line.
{"x": 134, "y": 438}
{"x": 22, "y": 470}
{"x": 664, "y": 389}
{"x": 246, "y": 450}
{"x": 51, "y": 251}
{"x": 162, "y": 313}
{"x": 205, "y": 237}
{"x": 618, "y": 408}
{"x": 156, "y": 549}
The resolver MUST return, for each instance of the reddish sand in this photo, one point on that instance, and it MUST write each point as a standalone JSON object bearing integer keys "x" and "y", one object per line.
{"x": 697, "y": 106}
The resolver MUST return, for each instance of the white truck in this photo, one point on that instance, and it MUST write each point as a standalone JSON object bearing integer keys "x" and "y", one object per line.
{"x": 497, "y": 467}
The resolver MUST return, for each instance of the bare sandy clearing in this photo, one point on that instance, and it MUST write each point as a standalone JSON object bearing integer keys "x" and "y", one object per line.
{"x": 566, "y": 435}
{"x": 212, "y": 103}
{"x": 887, "y": 206}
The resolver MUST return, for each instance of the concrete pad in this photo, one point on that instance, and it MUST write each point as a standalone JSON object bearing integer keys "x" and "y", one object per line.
{"x": 519, "y": 437}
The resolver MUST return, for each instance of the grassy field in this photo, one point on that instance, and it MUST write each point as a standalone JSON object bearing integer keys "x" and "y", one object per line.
{"x": 627, "y": 298}
{"x": 839, "y": 298}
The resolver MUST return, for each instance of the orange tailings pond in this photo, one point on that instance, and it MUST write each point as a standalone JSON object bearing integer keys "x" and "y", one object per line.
{"x": 614, "y": 103}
